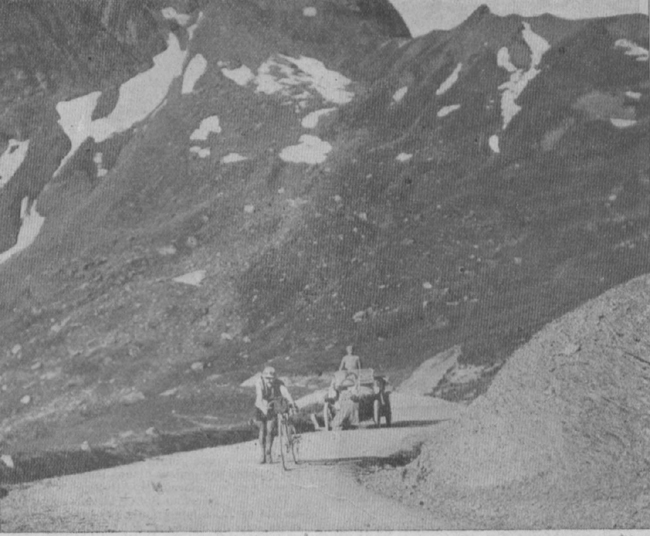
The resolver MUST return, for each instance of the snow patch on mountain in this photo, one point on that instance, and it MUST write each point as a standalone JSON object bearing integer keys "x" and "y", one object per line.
{"x": 142, "y": 94}
{"x": 192, "y": 29}
{"x": 503, "y": 60}
{"x": 310, "y": 150}
{"x": 192, "y": 278}
{"x": 201, "y": 152}
{"x": 195, "y": 70}
{"x": 138, "y": 98}
{"x": 403, "y": 157}
{"x": 446, "y": 110}
{"x": 537, "y": 44}
{"x": 494, "y": 143}
{"x": 519, "y": 79}
{"x": 207, "y": 126}
{"x": 622, "y": 123}
{"x": 232, "y": 158}
{"x": 294, "y": 78}
{"x": 399, "y": 94}
{"x": 12, "y": 159}
{"x": 450, "y": 81}
{"x": 633, "y": 95}
{"x": 633, "y": 49}
{"x": 311, "y": 119}
{"x": 31, "y": 225}
{"x": 170, "y": 13}
{"x": 241, "y": 76}
{"x": 99, "y": 162}
{"x": 330, "y": 84}
{"x": 75, "y": 118}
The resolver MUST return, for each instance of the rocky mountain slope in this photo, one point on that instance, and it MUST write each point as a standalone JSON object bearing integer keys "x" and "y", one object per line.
{"x": 562, "y": 437}
{"x": 281, "y": 179}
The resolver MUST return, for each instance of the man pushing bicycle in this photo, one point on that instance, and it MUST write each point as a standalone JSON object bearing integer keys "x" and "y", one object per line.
{"x": 268, "y": 388}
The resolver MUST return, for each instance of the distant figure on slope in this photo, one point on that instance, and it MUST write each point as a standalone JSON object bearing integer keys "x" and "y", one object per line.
{"x": 267, "y": 388}
{"x": 350, "y": 362}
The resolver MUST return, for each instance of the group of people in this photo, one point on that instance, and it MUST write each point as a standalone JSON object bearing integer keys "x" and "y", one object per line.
{"x": 342, "y": 394}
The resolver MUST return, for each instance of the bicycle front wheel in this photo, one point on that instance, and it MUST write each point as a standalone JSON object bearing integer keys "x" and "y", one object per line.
{"x": 293, "y": 440}
{"x": 288, "y": 440}
{"x": 282, "y": 440}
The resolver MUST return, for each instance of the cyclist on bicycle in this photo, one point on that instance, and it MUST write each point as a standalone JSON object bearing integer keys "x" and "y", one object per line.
{"x": 267, "y": 389}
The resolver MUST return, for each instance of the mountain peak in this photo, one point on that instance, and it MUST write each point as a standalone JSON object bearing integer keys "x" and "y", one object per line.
{"x": 482, "y": 11}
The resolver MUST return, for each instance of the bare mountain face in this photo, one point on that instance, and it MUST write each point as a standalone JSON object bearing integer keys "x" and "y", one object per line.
{"x": 242, "y": 182}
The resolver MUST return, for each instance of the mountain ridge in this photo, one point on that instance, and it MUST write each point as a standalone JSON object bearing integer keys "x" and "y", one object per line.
{"x": 412, "y": 236}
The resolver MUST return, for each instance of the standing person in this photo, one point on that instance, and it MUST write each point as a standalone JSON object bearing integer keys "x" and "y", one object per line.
{"x": 350, "y": 362}
{"x": 267, "y": 388}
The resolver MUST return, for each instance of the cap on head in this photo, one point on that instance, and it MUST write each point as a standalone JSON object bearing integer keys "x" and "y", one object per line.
{"x": 268, "y": 372}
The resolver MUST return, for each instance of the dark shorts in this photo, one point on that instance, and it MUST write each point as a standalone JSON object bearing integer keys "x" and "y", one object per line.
{"x": 260, "y": 417}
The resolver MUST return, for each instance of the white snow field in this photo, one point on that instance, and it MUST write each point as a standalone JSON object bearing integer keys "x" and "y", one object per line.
{"x": 232, "y": 158}
{"x": 75, "y": 120}
{"x": 241, "y": 76}
{"x": 310, "y": 150}
{"x": 207, "y": 126}
{"x": 138, "y": 97}
{"x": 446, "y": 110}
{"x": 633, "y": 49}
{"x": 142, "y": 94}
{"x": 31, "y": 225}
{"x": 311, "y": 119}
{"x": 294, "y": 78}
{"x": 195, "y": 69}
{"x": 494, "y": 143}
{"x": 450, "y": 81}
{"x": 12, "y": 159}
{"x": 400, "y": 94}
{"x": 519, "y": 79}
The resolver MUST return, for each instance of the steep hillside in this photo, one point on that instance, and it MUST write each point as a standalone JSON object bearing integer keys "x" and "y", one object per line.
{"x": 294, "y": 177}
{"x": 563, "y": 435}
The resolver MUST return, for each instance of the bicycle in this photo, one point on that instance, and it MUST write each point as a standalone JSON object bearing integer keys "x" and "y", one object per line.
{"x": 288, "y": 438}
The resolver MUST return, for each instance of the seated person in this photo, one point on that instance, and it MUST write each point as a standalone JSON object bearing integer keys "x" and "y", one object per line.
{"x": 343, "y": 401}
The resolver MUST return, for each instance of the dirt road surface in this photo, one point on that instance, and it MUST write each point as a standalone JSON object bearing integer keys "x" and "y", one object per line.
{"x": 225, "y": 489}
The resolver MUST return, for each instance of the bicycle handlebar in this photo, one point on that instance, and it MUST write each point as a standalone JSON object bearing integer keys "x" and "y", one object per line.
{"x": 281, "y": 405}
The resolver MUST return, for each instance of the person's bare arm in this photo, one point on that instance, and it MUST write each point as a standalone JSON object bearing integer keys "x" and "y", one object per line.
{"x": 286, "y": 394}
{"x": 260, "y": 403}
